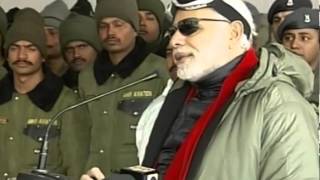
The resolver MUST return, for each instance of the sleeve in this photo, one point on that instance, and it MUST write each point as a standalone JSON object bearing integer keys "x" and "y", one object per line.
{"x": 289, "y": 143}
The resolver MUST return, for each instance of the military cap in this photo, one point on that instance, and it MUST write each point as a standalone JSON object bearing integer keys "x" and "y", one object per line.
{"x": 126, "y": 10}
{"x": 35, "y": 34}
{"x": 286, "y": 5}
{"x": 303, "y": 18}
{"x": 54, "y": 13}
{"x": 79, "y": 28}
{"x": 3, "y": 22}
{"x": 156, "y": 7}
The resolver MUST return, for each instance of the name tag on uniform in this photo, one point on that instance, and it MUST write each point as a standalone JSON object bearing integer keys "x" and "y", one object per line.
{"x": 137, "y": 94}
{"x": 39, "y": 121}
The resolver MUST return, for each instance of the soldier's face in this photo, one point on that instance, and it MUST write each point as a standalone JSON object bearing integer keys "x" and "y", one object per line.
{"x": 198, "y": 51}
{"x": 304, "y": 42}
{"x": 79, "y": 55}
{"x": 277, "y": 19}
{"x": 149, "y": 26}
{"x": 116, "y": 35}
{"x": 172, "y": 68}
{"x": 24, "y": 58}
{"x": 53, "y": 43}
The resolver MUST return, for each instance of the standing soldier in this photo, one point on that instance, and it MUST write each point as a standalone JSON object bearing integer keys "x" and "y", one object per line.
{"x": 79, "y": 45}
{"x": 30, "y": 95}
{"x": 53, "y": 14}
{"x": 152, "y": 18}
{"x": 280, "y": 9}
{"x": 299, "y": 33}
{"x": 124, "y": 59}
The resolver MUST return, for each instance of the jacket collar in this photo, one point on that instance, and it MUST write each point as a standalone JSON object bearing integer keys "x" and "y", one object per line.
{"x": 70, "y": 79}
{"x": 103, "y": 67}
{"x": 44, "y": 95}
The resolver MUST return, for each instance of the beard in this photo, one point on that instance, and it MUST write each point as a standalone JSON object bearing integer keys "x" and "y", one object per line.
{"x": 193, "y": 71}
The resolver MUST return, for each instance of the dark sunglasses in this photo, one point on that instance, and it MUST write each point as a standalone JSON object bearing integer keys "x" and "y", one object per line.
{"x": 190, "y": 25}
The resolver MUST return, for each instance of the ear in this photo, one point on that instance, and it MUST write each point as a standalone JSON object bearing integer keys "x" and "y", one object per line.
{"x": 237, "y": 30}
{"x": 135, "y": 33}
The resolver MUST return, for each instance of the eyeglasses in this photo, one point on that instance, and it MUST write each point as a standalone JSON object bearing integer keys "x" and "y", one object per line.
{"x": 191, "y": 25}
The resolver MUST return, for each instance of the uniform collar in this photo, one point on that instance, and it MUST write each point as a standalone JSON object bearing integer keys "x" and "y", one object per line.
{"x": 44, "y": 95}
{"x": 103, "y": 67}
{"x": 70, "y": 79}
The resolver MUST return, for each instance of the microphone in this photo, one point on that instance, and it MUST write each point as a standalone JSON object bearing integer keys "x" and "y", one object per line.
{"x": 41, "y": 167}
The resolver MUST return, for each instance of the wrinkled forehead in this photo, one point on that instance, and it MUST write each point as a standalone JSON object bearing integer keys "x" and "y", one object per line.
{"x": 198, "y": 13}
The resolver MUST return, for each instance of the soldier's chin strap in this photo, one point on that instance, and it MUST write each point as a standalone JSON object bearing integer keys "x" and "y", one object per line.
{"x": 41, "y": 173}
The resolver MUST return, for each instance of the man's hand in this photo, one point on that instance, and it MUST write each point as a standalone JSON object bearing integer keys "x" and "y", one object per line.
{"x": 93, "y": 174}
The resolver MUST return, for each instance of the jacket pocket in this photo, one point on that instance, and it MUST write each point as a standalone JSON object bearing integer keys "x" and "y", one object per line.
{"x": 38, "y": 131}
{"x": 134, "y": 107}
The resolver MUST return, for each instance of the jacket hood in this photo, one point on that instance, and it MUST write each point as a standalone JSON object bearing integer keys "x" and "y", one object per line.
{"x": 277, "y": 63}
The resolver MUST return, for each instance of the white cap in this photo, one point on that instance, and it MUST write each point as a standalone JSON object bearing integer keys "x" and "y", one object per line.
{"x": 231, "y": 9}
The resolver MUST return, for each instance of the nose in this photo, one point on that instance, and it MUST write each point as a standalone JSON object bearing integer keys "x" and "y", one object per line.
{"x": 295, "y": 43}
{"x": 177, "y": 39}
{"x": 22, "y": 54}
{"x": 111, "y": 31}
{"x": 76, "y": 53}
{"x": 142, "y": 21}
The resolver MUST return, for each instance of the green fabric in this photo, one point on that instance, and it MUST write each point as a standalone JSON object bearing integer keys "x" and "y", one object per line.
{"x": 79, "y": 28}
{"x": 3, "y": 22}
{"x": 28, "y": 25}
{"x": 126, "y": 10}
{"x": 113, "y": 144}
{"x": 269, "y": 131}
{"x": 156, "y": 7}
{"x": 67, "y": 151}
{"x": 54, "y": 13}
{"x": 315, "y": 95}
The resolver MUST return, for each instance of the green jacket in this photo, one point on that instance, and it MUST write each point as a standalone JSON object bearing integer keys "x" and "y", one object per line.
{"x": 269, "y": 130}
{"x": 23, "y": 121}
{"x": 115, "y": 117}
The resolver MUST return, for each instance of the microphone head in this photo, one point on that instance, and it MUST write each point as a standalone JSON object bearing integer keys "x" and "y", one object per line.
{"x": 152, "y": 75}
{"x": 155, "y": 73}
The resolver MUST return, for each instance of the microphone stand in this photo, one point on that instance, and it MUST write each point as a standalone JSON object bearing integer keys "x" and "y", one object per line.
{"x": 41, "y": 173}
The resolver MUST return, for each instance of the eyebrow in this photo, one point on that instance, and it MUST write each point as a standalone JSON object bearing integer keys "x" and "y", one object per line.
{"x": 149, "y": 13}
{"x": 27, "y": 46}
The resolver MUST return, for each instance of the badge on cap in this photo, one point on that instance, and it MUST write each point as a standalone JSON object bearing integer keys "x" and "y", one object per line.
{"x": 307, "y": 18}
{"x": 290, "y": 3}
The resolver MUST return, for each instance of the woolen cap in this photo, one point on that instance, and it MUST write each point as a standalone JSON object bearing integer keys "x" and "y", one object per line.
{"x": 79, "y": 28}
{"x": 54, "y": 13}
{"x": 27, "y": 25}
{"x": 126, "y": 10}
